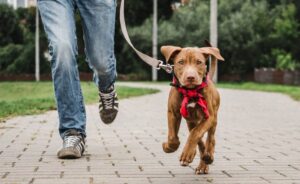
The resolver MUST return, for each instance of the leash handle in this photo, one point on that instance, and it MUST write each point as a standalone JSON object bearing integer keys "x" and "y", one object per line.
{"x": 158, "y": 64}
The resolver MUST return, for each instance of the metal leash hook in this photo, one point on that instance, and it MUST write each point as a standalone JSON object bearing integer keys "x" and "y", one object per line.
{"x": 168, "y": 68}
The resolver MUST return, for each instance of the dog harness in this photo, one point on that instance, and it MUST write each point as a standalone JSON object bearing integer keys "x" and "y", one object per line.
{"x": 190, "y": 94}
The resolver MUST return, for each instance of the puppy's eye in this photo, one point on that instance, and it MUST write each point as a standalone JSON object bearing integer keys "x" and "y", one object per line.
{"x": 181, "y": 62}
{"x": 199, "y": 62}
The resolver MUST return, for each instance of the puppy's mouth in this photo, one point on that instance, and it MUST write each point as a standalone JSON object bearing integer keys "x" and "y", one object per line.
{"x": 191, "y": 84}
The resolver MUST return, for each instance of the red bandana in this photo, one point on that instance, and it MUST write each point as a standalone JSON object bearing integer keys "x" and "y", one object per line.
{"x": 189, "y": 94}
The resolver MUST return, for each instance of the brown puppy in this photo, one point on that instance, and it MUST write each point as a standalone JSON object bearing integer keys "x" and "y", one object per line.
{"x": 191, "y": 71}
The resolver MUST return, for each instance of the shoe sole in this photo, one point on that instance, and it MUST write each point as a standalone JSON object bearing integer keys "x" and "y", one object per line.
{"x": 68, "y": 154}
{"x": 109, "y": 120}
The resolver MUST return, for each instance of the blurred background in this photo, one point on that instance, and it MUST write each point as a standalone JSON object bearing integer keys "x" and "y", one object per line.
{"x": 259, "y": 132}
{"x": 258, "y": 38}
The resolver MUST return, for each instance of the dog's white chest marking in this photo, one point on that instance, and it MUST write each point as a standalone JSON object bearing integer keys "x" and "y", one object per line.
{"x": 191, "y": 105}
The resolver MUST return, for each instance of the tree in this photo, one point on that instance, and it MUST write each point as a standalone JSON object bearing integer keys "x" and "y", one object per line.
{"x": 10, "y": 31}
{"x": 17, "y": 41}
{"x": 246, "y": 32}
{"x": 251, "y": 34}
{"x": 137, "y": 13}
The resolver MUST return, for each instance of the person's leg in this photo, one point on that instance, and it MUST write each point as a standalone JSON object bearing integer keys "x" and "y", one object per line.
{"x": 58, "y": 20}
{"x": 98, "y": 18}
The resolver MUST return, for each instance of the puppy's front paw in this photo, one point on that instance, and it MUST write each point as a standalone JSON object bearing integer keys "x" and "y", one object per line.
{"x": 187, "y": 156}
{"x": 202, "y": 168}
{"x": 170, "y": 147}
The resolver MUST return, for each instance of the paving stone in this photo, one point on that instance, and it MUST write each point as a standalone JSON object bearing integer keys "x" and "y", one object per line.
{"x": 258, "y": 141}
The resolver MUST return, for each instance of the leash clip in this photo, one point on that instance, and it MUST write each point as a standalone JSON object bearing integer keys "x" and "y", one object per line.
{"x": 168, "y": 68}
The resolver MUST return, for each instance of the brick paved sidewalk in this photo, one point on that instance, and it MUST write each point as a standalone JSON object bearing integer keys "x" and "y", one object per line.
{"x": 258, "y": 141}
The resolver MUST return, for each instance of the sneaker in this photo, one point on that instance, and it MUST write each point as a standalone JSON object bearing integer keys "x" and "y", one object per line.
{"x": 109, "y": 104}
{"x": 73, "y": 146}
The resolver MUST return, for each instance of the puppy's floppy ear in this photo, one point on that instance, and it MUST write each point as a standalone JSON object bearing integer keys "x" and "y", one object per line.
{"x": 213, "y": 51}
{"x": 170, "y": 51}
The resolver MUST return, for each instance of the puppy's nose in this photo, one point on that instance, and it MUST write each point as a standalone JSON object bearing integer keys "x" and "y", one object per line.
{"x": 190, "y": 78}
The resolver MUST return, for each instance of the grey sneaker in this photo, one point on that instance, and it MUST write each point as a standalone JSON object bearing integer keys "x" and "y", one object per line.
{"x": 109, "y": 105}
{"x": 73, "y": 146}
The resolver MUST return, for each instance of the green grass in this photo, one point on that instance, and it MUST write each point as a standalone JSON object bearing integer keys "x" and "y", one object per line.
{"x": 25, "y": 98}
{"x": 292, "y": 91}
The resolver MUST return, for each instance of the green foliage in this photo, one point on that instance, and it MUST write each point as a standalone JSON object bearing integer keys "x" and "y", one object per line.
{"x": 24, "y": 60}
{"x": 248, "y": 32}
{"x": 285, "y": 36}
{"x": 9, "y": 27}
{"x": 138, "y": 13}
{"x": 187, "y": 27}
{"x": 8, "y": 54}
{"x": 262, "y": 33}
{"x": 284, "y": 60}
{"x": 17, "y": 49}
{"x": 243, "y": 35}
{"x": 286, "y": 25}
{"x": 26, "y": 18}
{"x": 16, "y": 58}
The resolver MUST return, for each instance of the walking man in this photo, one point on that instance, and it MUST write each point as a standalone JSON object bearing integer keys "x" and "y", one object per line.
{"x": 98, "y": 22}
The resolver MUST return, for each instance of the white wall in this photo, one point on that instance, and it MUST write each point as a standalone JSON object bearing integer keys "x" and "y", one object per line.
{"x": 16, "y": 3}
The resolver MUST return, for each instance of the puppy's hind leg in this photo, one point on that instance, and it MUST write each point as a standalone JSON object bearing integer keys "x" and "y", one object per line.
{"x": 208, "y": 156}
{"x": 203, "y": 166}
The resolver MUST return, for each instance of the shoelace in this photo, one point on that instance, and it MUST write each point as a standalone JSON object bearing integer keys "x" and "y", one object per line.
{"x": 70, "y": 141}
{"x": 107, "y": 99}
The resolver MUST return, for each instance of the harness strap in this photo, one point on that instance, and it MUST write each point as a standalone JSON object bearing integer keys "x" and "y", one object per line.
{"x": 189, "y": 94}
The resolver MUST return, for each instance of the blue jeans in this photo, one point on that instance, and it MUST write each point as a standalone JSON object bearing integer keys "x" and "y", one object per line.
{"x": 98, "y": 22}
